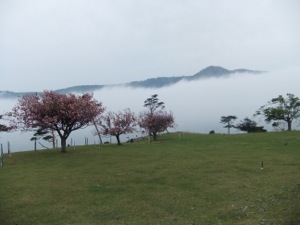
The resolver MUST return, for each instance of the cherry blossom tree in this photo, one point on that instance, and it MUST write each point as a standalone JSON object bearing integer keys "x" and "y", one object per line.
{"x": 58, "y": 112}
{"x": 156, "y": 122}
{"x": 155, "y": 119}
{"x": 116, "y": 124}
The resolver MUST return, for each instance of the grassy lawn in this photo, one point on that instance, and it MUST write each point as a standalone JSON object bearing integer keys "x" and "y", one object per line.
{"x": 194, "y": 179}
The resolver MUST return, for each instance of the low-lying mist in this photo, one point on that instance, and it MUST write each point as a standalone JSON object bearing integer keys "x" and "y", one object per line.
{"x": 197, "y": 106}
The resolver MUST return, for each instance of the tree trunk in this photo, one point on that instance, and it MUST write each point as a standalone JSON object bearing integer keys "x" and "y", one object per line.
{"x": 98, "y": 132}
{"x": 228, "y": 126}
{"x": 63, "y": 145}
{"x": 289, "y": 122}
{"x": 118, "y": 139}
{"x": 154, "y": 136}
{"x": 53, "y": 139}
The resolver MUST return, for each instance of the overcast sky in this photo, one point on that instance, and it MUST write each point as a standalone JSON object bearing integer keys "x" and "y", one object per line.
{"x": 52, "y": 44}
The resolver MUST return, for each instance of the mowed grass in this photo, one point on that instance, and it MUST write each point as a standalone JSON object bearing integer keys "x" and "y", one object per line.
{"x": 180, "y": 179}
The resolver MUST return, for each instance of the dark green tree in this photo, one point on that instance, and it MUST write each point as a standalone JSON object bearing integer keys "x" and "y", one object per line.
{"x": 249, "y": 126}
{"x": 44, "y": 134}
{"x": 228, "y": 120}
{"x": 4, "y": 128}
{"x": 281, "y": 109}
{"x": 153, "y": 104}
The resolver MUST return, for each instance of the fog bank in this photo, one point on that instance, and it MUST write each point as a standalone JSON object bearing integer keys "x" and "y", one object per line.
{"x": 197, "y": 106}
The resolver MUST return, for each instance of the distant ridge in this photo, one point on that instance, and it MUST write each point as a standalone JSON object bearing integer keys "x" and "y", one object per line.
{"x": 216, "y": 71}
{"x": 159, "y": 82}
{"x": 208, "y": 72}
{"x": 212, "y": 71}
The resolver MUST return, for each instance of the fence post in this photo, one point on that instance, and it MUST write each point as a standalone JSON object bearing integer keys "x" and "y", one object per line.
{"x": 8, "y": 149}
{"x": 1, "y": 156}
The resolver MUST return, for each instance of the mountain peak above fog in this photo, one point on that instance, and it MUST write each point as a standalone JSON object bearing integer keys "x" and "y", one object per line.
{"x": 158, "y": 82}
{"x": 213, "y": 70}
{"x": 217, "y": 71}
{"x": 208, "y": 72}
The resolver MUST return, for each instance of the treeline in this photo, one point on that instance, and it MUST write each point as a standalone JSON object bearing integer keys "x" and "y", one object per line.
{"x": 278, "y": 111}
{"x": 50, "y": 112}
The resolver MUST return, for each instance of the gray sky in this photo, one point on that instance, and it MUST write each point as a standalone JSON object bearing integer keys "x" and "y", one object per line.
{"x": 52, "y": 44}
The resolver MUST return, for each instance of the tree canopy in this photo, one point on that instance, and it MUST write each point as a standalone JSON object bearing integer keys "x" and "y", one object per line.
{"x": 116, "y": 124}
{"x": 44, "y": 134}
{"x": 249, "y": 126}
{"x": 155, "y": 120}
{"x": 5, "y": 127}
{"x": 228, "y": 120}
{"x": 2, "y": 126}
{"x": 58, "y": 112}
{"x": 153, "y": 104}
{"x": 156, "y": 123}
{"x": 281, "y": 109}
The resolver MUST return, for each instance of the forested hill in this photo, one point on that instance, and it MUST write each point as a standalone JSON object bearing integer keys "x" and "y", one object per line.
{"x": 209, "y": 72}
{"x": 159, "y": 82}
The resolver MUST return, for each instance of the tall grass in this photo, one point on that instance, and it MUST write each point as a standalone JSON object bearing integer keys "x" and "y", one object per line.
{"x": 180, "y": 179}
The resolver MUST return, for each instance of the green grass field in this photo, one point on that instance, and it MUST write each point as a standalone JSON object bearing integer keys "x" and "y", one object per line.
{"x": 191, "y": 179}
